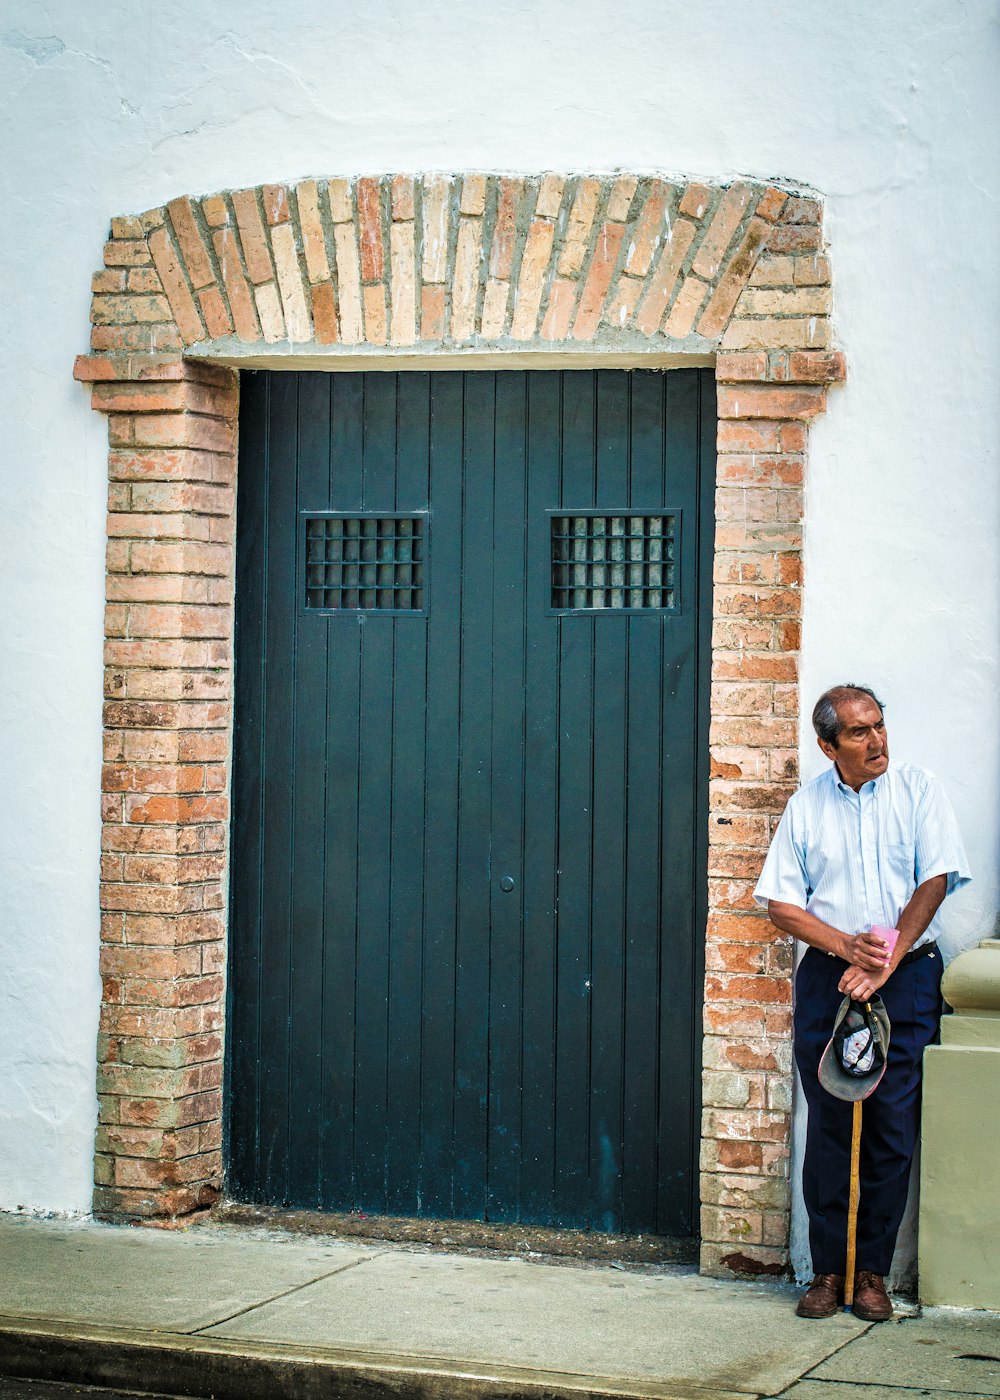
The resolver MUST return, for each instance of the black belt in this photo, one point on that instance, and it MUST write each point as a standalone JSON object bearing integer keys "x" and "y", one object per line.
{"x": 926, "y": 950}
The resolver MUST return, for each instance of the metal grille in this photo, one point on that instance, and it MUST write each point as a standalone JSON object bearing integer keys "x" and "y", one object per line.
{"x": 365, "y": 561}
{"x": 612, "y": 561}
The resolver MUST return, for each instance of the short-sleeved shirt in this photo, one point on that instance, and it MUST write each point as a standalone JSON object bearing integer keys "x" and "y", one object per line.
{"x": 854, "y": 859}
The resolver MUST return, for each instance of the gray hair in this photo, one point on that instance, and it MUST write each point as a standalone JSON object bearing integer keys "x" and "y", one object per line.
{"x": 826, "y": 721}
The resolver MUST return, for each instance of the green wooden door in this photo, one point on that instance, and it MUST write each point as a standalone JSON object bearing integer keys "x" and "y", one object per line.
{"x": 469, "y": 794}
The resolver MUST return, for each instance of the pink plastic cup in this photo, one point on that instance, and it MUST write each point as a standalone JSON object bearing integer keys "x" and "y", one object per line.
{"x": 889, "y": 935}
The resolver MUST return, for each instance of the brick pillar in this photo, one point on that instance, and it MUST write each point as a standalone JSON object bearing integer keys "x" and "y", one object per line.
{"x": 766, "y": 399}
{"x": 165, "y": 798}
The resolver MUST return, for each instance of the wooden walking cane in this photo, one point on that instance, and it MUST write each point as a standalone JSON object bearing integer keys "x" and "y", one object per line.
{"x": 852, "y": 1205}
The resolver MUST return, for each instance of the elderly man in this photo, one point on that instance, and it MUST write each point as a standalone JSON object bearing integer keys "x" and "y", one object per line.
{"x": 865, "y": 845}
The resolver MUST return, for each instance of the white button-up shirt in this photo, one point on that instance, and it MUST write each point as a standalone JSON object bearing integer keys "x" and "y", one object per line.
{"x": 854, "y": 859}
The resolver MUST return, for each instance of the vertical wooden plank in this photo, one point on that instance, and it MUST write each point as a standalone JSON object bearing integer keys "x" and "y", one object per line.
{"x": 243, "y": 989}
{"x": 375, "y": 823}
{"x": 679, "y": 676}
{"x": 407, "y": 822}
{"x": 474, "y": 868}
{"x": 576, "y": 806}
{"x": 279, "y": 779}
{"x": 343, "y": 738}
{"x": 309, "y": 782}
{"x": 611, "y": 637}
{"x": 507, "y": 800}
{"x": 437, "y": 1096}
{"x": 642, "y": 840}
{"x": 541, "y": 770}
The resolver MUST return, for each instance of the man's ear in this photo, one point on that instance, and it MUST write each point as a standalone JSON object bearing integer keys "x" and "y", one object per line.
{"x": 829, "y": 749}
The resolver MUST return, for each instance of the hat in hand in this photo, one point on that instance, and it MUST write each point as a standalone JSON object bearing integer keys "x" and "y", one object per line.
{"x": 854, "y": 1060}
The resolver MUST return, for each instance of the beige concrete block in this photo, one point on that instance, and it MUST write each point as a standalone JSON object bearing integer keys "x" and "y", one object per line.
{"x": 959, "y": 1212}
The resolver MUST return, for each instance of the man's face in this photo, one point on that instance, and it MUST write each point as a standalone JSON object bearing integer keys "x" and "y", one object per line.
{"x": 862, "y": 749}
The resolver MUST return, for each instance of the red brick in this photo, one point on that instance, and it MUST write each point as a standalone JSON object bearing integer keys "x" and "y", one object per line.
{"x": 112, "y": 279}
{"x": 725, "y": 222}
{"x": 157, "y": 337}
{"x": 800, "y": 210}
{"x": 602, "y": 265}
{"x": 817, "y": 367}
{"x": 505, "y": 229}
{"x": 275, "y": 201}
{"x": 789, "y": 238}
{"x": 649, "y": 231}
{"x": 741, "y": 1156}
{"x": 324, "y": 313}
{"x": 241, "y": 302}
{"x": 370, "y": 230}
{"x": 126, "y": 252}
{"x": 190, "y": 241}
{"x": 214, "y": 312}
{"x": 168, "y": 808}
{"x": 695, "y": 201}
{"x": 762, "y": 401}
{"x": 724, "y": 298}
{"x": 654, "y": 303}
{"x": 256, "y": 250}
{"x": 174, "y": 284}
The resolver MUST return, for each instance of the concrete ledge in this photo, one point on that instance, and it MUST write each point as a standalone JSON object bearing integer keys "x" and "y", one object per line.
{"x": 205, "y": 1367}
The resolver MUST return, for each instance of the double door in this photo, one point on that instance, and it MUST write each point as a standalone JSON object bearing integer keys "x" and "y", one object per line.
{"x": 469, "y": 792}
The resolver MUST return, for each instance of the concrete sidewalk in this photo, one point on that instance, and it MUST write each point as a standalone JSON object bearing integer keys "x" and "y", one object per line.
{"x": 239, "y": 1313}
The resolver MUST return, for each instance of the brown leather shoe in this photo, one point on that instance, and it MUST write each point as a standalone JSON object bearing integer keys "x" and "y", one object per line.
{"x": 871, "y": 1302}
{"x": 823, "y": 1296}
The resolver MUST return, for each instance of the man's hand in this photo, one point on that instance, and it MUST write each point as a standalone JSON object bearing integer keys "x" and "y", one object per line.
{"x": 862, "y": 985}
{"x": 868, "y": 952}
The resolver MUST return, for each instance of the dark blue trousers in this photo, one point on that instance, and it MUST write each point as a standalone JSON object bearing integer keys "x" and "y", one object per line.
{"x": 890, "y": 1116}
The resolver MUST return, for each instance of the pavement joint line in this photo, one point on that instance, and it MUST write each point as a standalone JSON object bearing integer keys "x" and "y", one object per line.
{"x": 922, "y": 1389}
{"x": 847, "y": 1342}
{"x": 286, "y": 1293}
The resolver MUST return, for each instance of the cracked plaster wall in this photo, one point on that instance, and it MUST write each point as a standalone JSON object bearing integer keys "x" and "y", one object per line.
{"x": 888, "y": 111}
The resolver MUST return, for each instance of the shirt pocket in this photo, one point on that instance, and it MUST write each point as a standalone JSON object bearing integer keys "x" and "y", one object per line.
{"x": 898, "y": 861}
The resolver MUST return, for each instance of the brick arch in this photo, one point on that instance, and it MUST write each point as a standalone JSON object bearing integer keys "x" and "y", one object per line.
{"x": 614, "y": 262}
{"x": 623, "y": 268}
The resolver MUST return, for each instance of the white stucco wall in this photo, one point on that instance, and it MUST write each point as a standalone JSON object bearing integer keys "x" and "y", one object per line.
{"x": 888, "y": 110}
